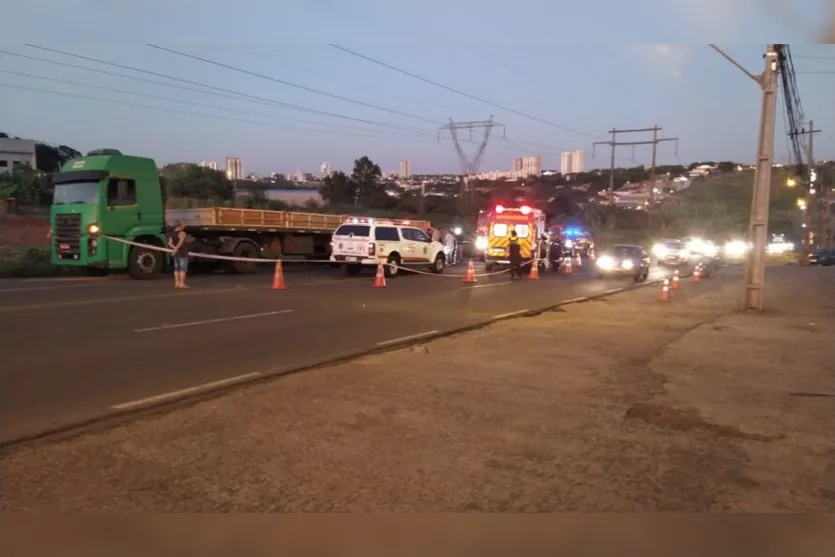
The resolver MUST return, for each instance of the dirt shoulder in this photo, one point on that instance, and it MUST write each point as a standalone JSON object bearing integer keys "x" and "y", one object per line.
{"x": 623, "y": 404}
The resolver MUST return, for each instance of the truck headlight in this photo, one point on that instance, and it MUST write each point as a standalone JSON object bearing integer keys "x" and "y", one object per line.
{"x": 606, "y": 263}
{"x": 93, "y": 228}
{"x": 481, "y": 243}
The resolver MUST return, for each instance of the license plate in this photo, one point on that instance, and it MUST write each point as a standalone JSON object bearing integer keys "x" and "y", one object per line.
{"x": 64, "y": 246}
{"x": 350, "y": 259}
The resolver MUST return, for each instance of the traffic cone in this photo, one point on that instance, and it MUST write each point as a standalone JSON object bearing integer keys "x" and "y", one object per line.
{"x": 675, "y": 282}
{"x": 469, "y": 277}
{"x": 534, "y": 274}
{"x": 697, "y": 273}
{"x": 665, "y": 292}
{"x": 278, "y": 277}
{"x": 566, "y": 268}
{"x": 380, "y": 279}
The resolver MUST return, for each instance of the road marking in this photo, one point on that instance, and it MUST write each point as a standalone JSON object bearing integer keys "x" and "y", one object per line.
{"x": 614, "y": 290}
{"x": 403, "y": 339}
{"x": 210, "y": 321}
{"x": 183, "y": 392}
{"x": 486, "y": 285}
{"x": 575, "y": 300}
{"x": 34, "y": 288}
{"x": 510, "y": 314}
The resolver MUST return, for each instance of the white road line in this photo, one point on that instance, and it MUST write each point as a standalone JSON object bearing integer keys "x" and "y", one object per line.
{"x": 187, "y": 391}
{"x": 614, "y": 291}
{"x": 575, "y": 300}
{"x": 410, "y": 337}
{"x": 210, "y": 321}
{"x": 35, "y": 288}
{"x": 510, "y": 314}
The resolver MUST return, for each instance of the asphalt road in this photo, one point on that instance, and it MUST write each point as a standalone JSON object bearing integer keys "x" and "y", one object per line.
{"x": 74, "y": 349}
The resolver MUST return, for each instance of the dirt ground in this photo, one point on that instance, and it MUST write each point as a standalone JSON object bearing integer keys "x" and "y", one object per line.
{"x": 624, "y": 404}
{"x": 23, "y": 232}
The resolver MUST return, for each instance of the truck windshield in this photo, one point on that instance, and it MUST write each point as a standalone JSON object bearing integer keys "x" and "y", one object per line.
{"x": 76, "y": 192}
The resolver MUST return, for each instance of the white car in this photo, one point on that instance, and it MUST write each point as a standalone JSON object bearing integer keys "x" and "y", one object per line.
{"x": 671, "y": 253}
{"x": 362, "y": 242}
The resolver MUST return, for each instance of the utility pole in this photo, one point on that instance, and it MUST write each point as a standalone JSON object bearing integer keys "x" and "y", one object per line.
{"x": 809, "y": 196}
{"x": 470, "y": 165}
{"x": 758, "y": 226}
{"x": 614, "y": 144}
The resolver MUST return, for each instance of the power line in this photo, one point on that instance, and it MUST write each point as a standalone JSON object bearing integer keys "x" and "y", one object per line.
{"x": 221, "y": 89}
{"x": 186, "y": 112}
{"x": 816, "y": 57}
{"x": 459, "y": 92}
{"x": 290, "y": 84}
{"x": 182, "y": 101}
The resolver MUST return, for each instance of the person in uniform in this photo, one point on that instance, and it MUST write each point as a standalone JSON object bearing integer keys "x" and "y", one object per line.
{"x": 515, "y": 252}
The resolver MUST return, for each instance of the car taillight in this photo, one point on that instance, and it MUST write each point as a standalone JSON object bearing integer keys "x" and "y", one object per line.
{"x": 372, "y": 248}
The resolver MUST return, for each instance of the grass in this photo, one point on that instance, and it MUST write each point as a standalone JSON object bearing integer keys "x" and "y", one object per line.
{"x": 30, "y": 262}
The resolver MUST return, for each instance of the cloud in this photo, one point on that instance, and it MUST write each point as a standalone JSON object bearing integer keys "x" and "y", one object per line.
{"x": 666, "y": 59}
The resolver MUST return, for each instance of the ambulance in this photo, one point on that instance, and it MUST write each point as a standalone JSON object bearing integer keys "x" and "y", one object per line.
{"x": 529, "y": 224}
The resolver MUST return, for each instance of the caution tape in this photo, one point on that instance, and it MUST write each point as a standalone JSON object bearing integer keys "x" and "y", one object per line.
{"x": 231, "y": 258}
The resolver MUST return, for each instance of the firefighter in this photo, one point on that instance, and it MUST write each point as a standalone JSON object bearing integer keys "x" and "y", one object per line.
{"x": 515, "y": 252}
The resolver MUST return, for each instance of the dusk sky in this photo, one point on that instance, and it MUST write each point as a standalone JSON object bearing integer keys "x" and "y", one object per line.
{"x": 573, "y": 67}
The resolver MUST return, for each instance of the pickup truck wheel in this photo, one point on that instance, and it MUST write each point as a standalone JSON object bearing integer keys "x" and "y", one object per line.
{"x": 144, "y": 263}
{"x": 393, "y": 268}
{"x": 438, "y": 266}
{"x": 248, "y": 251}
{"x": 352, "y": 270}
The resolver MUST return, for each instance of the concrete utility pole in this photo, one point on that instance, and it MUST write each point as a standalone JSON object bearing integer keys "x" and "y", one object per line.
{"x": 809, "y": 197}
{"x": 614, "y": 144}
{"x": 758, "y": 226}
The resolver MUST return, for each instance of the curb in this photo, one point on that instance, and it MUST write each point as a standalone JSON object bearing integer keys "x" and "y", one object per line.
{"x": 121, "y": 417}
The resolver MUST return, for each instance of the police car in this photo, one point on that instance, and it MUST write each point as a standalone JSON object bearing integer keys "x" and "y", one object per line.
{"x": 362, "y": 242}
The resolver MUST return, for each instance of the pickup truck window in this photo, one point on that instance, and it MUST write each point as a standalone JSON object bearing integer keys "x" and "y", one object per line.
{"x": 121, "y": 192}
{"x": 386, "y": 234}
{"x": 358, "y": 230}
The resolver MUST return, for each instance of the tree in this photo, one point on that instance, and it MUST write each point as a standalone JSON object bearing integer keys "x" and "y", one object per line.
{"x": 190, "y": 180}
{"x": 26, "y": 185}
{"x": 369, "y": 189}
{"x": 50, "y": 159}
{"x": 338, "y": 189}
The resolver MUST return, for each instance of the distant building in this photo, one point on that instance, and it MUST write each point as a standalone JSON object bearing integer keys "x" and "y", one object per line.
{"x": 405, "y": 172}
{"x": 234, "y": 168}
{"x": 297, "y": 176}
{"x": 16, "y": 152}
{"x": 571, "y": 162}
{"x": 208, "y": 164}
{"x": 529, "y": 166}
{"x": 325, "y": 170}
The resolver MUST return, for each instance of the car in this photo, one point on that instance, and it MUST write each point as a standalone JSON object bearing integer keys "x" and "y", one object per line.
{"x": 671, "y": 253}
{"x": 823, "y": 257}
{"x": 361, "y": 241}
{"x": 623, "y": 259}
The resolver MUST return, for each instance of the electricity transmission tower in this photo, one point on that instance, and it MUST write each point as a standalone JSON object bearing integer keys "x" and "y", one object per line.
{"x": 614, "y": 144}
{"x": 470, "y": 165}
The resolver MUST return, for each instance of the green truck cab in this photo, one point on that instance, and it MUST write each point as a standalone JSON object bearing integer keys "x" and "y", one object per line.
{"x": 108, "y": 194}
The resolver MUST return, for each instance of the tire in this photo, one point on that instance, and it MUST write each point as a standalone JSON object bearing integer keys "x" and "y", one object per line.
{"x": 352, "y": 270}
{"x": 439, "y": 264}
{"x": 145, "y": 263}
{"x": 245, "y": 249}
{"x": 488, "y": 267}
{"x": 392, "y": 270}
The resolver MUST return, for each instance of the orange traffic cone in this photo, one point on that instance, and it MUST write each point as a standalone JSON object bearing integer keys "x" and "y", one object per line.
{"x": 380, "y": 279}
{"x": 675, "y": 282}
{"x": 469, "y": 277}
{"x": 665, "y": 292}
{"x": 566, "y": 267}
{"x": 697, "y": 274}
{"x": 278, "y": 277}
{"x": 534, "y": 274}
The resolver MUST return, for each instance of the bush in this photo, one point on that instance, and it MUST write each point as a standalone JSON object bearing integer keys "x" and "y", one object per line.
{"x": 32, "y": 262}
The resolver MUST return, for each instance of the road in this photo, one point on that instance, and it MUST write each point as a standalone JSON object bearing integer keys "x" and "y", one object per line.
{"x": 75, "y": 349}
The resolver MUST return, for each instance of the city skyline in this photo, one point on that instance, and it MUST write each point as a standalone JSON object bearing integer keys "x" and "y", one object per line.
{"x": 347, "y": 107}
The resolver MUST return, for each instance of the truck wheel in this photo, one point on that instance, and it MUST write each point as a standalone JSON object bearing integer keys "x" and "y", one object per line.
{"x": 248, "y": 251}
{"x": 393, "y": 268}
{"x": 145, "y": 263}
{"x": 438, "y": 266}
{"x": 353, "y": 270}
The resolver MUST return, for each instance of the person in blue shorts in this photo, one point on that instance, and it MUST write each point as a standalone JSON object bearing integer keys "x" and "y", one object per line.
{"x": 177, "y": 241}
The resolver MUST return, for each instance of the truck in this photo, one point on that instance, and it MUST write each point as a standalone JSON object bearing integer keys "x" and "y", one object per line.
{"x": 110, "y": 195}
{"x": 529, "y": 224}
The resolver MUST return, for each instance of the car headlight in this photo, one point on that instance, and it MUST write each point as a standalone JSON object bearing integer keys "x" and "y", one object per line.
{"x": 606, "y": 263}
{"x": 659, "y": 250}
{"x": 685, "y": 254}
{"x": 481, "y": 243}
{"x": 710, "y": 250}
{"x": 627, "y": 264}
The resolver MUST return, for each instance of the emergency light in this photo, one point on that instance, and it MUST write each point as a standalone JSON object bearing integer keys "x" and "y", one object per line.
{"x": 525, "y": 209}
{"x": 499, "y": 209}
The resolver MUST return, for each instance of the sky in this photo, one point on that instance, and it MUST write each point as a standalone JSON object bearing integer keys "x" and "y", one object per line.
{"x": 561, "y": 73}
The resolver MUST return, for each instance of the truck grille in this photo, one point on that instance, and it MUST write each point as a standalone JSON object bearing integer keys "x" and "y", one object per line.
{"x": 68, "y": 236}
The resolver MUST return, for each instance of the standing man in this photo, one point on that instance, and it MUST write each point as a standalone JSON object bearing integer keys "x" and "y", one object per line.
{"x": 515, "y": 252}
{"x": 177, "y": 241}
{"x": 449, "y": 246}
